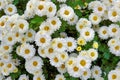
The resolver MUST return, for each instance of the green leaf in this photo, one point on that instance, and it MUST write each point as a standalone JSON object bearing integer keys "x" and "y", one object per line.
{"x": 37, "y": 19}
{"x": 15, "y": 2}
{"x": 106, "y": 55}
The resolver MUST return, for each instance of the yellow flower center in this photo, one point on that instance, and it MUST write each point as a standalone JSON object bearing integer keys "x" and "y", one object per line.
{"x": 40, "y": 7}
{"x": 87, "y": 33}
{"x": 92, "y": 54}
{"x": 114, "y": 13}
{"x": 69, "y": 44}
{"x": 117, "y": 47}
{"x": 50, "y": 9}
{"x": 62, "y": 66}
{"x": 85, "y": 73}
{"x": 114, "y": 76}
{"x": 95, "y": 18}
{"x": 10, "y": 9}
{"x": 2, "y": 24}
{"x": 60, "y": 45}
{"x": 53, "y": 22}
{"x": 38, "y": 78}
{"x": 17, "y": 34}
{"x": 27, "y": 51}
{"x": 9, "y": 38}
{"x": 75, "y": 68}
{"x": 100, "y": 8}
{"x": 114, "y": 30}
{"x": 83, "y": 62}
{"x": 56, "y": 59}
{"x": 50, "y": 50}
{"x": 46, "y": 28}
{"x": 21, "y": 26}
{"x": 81, "y": 26}
{"x": 42, "y": 40}
{"x": 6, "y": 47}
{"x": 96, "y": 72}
{"x": 9, "y": 65}
{"x": 35, "y": 63}
{"x": 30, "y": 34}
{"x": 66, "y": 12}
{"x": 104, "y": 32}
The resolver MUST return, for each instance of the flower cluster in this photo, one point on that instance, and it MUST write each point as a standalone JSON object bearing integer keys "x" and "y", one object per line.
{"x": 65, "y": 53}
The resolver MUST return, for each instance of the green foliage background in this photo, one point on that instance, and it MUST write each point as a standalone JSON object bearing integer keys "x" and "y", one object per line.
{"x": 106, "y": 60}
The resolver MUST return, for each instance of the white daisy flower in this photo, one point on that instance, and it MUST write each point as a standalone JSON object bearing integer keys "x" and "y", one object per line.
{"x": 10, "y": 9}
{"x": 82, "y": 23}
{"x": 6, "y": 48}
{"x": 37, "y": 72}
{"x": 10, "y": 66}
{"x": 83, "y": 62}
{"x": 41, "y": 52}
{"x": 85, "y": 74}
{"x": 54, "y": 22}
{"x": 96, "y": 71}
{"x": 115, "y": 49}
{"x": 93, "y": 54}
{"x": 99, "y": 9}
{"x": 60, "y": 77}
{"x": 112, "y": 42}
{"x": 63, "y": 56}
{"x": 94, "y": 18}
{"x": 39, "y": 77}
{"x": 66, "y": 13}
{"x": 92, "y": 4}
{"x": 71, "y": 44}
{"x": 114, "y": 30}
{"x": 87, "y": 33}
{"x": 9, "y": 39}
{"x": 51, "y": 9}
{"x": 81, "y": 41}
{"x": 114, "y": 75}
{"x": 70, "y": 62}
{"x": 83, "y": 53}
{"x": 6, "y": 57}
{"x": 42, "y": 40}
{"x": 27, "y": 51}
{"x": 3, "y": 3}
{"x": 3, "y": 21}
{"x": 5, "y": 71}
{"x": 41, "y": 8}
{"x": 22, "y": 25}
{"x": 23, "y": 77}
{"x": 28, "y": 14}
{"x": 18, "y": 36}
{"x": 50, "y": 51}
{"x": 34, "y": 64}
{"x": 74, "y": 71}
{"x": 31, "y": 5}
{"x": 55, "y": 61}
{"x": 59, "y": 44}
{"x": 30, "y": 35}
{"x": 46, "y": 27}
{"x": 62, "y": 69}
{"x": 23, "y": 38}
{"x": 114, "y": 14}
{"x": 103, "y": 32}
{"x": 73, "y": 20}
